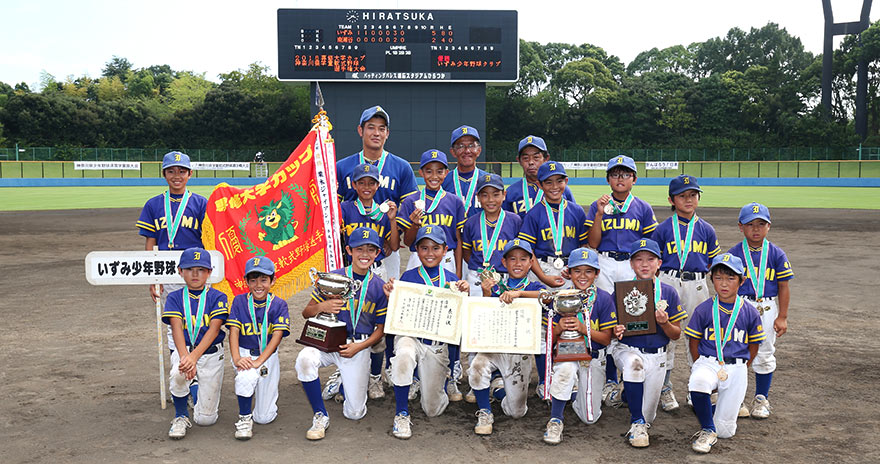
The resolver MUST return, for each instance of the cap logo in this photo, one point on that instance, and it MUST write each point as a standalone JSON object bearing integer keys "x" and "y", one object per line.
{"x": 433, "y": 154}
{"x": 552, "y": 166}
{"x": 756, "y": 208}
{"x": 516, "y": 242}
{"x": 487, "y": 177}
{"x": 197, "y": 255}
{"x": 529, "y": 139}
{"x": 726, "y": 258}
{"x": 642, "y": 243}
{"x": 687, "y": 180}
{"x": 428, "y": 230}
{"x": 366, "y": 234}
{"x": 367, "y": 168}
{"x": 585, "y": 254}
{"x": 619, "y": 159}
{"x": 256, "y": 261}
{"x": 177, "y": 157}
{"x": 464, "y": 130}
{"x": 378, "y": 108}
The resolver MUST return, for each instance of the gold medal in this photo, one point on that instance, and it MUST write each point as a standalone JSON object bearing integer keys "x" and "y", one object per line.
{"x": 585, "y": 364}
{"x": 662, "y": 305}
{"x": 608, "y": 209}
{"x": 419, "y": 204}
{"x": 722, "y": 374}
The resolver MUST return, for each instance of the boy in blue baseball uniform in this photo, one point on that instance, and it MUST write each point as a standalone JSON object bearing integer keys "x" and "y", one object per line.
{"x": 723, "y": 337}
{"x": 512, "y": 385}
{"x": 688, "y": 244}
{"x": 766, "y": 287}
{"x": 430, "y": 356}
{"x": 257, "y": 322}
{"x": 364, "y": 318}
{"x": 641, "y": 357}
{"x": 523, "y": 195}
{"x": 601, "y": 317}
{"x": 462, "y": 181}
{"x": 435, "y": 207}
{"x": 195, "y": 313}
{"x": 554, "y": 227}
{"x": 396, "y": 178}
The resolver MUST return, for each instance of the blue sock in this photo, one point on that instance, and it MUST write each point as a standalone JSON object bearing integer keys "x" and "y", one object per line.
{"x": 342, "y": 389}
{"x": 244, "y": 405}
{"x": 762, "y": 384}
{"x": 181, "y": 408}
{"x": 703, "y": 409}
{"x": 610, "y": 369}
{"x": 389, "y": 348}
{"x": 635, "y": 391}
{"x": 541, "y": 364}
{"x": 499, "y": 394}
{"x": 313, "y": 393}
{"x": 666, "y": 382}
{"x": 401, "y": 399}
{"x": 454, "y": 355}
{"x": 376, "y": 363}
{"x": 194, "y": 392}
{"x": 557, "y": 407}
{"x": 483, "y": 398}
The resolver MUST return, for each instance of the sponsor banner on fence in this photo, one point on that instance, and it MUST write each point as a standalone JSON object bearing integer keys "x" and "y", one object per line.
{"x": 203, "y": 166}
{"x": 661, "y": 165}
{"x": 585, "y": 165}
{"x": 102, "y": 165}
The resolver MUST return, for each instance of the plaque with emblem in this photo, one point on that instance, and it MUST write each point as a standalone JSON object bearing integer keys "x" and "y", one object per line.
{"x": 635, "y": 306}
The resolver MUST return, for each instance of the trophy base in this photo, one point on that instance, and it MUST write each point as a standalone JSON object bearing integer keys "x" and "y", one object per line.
{"x": 324, "y": 335}
{"x": 571, "y": 350}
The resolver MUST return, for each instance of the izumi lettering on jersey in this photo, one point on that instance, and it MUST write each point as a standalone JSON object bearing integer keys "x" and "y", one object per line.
{"x": 739, "y": 335}
{"x": 500, "y": 247}
{"x": 696, "y": 247}
{"x": 621, "y": 223}
{"x": 187, "y": 221}
{"x": 384, "y": 182}
{"x": 570, "y": 232}
{"x": 437, "y": 220}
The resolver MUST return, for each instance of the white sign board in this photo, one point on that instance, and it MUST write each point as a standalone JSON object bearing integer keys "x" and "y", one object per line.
{"x": 588, "y": 165}
{"x": 102, "y": 165}
{"x": 142, "y": 267}
{"x": 661, "y": 165}
{"x": 202, "y": 166}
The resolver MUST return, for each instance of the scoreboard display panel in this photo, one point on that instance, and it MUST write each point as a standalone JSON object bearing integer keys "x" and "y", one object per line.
{"x": 397, "y": 45}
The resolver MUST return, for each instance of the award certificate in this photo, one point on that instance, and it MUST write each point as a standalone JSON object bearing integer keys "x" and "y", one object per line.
{"x": 417, "y": 310}
{"x": 490, "y": 326}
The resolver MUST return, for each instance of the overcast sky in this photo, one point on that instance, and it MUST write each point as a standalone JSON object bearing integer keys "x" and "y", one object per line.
{"x": 77, "y": 38}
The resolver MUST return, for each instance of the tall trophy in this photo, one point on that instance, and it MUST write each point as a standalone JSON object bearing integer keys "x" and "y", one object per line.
{"x": 571, "y": 345}
{"x": 325, "y": 331}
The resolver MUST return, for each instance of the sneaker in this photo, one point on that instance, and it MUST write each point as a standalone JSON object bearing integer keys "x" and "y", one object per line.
{"x": 743, "y": 411}
{"x": 496, "y": 384}
{"x": 485, "y": 419}
{"x": 553, "y": 434}
{"x": 667, "y": 400}
{"x": 760, "y": 407}
{"x": 452, "y": 391}
{"x": 470, "y": 397}
{"x": 388, "y": 377}
{"x": 402, "y": 426}
{"x": 615, "y": 397}
{"x": 332, "y": 387}
{"x": 339, "y": 398}
{"x": 320, "y": 423}
{"x": 638, "y": 434}
{"x": 244, "y": 428}
{"x": 607, "y": 390}
{"x": 539, "y": 390}
{"x": 703, "y": 441}
{"x": 178, "y": 427}
{"x": 414, "y": 389}
{"x": 375, "y": 390}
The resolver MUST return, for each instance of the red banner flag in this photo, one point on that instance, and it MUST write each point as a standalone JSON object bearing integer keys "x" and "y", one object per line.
{"x": 292, "y": 219}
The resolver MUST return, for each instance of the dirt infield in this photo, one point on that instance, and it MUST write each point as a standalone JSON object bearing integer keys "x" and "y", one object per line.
{"x": 79, "y": 379}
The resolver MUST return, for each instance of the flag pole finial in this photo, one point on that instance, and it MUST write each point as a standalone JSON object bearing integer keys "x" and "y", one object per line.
{"x": 321, "y": 118}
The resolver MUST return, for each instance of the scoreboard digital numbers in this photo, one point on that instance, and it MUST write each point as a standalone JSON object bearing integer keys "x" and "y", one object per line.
{"x": 397, "y": 45}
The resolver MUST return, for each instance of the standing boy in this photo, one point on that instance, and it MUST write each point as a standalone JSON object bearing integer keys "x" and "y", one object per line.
{"x": 523, "y": 195}
{"x": 195, "y": 313}
{"x": 465, "y": 148}
{"x": 257, "y": 323}
{"x": 767, "y": 274}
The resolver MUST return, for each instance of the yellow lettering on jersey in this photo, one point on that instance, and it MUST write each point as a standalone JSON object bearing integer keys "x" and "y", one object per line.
{"x": 437, "y": 220}
{"x": 570, "y": 232}
{"x": 621, "y": 224}
{"x": 478, "y": 245}
{"x": 594, "y": 325}
{"x": 186, "y": 222}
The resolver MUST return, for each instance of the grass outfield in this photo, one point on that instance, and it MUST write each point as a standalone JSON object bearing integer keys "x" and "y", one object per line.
{"x": 49, "y": 198}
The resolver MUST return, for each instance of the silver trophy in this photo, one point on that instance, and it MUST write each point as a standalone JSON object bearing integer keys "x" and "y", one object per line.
{"x": 329, "y": 284}
{"x": 568, "y": 302}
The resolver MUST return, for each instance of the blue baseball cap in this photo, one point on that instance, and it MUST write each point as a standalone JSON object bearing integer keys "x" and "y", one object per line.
{"x": 364, "y": 236}
{"x": 373, "y": 111}
{"x": 534, "y": 141}
{"x": 753, "y": 211}
{"x": 732, "y": 262}
{"x": 261, "y": 265}
{"x": 462, "y": 131}
{"x": 583, "y": 257}
{"x": 433, "y": 155}
{"x": 175, "y": 158}
{"x": 365, "y": 170}
{"x": 517, "y": 243}
{"x": 682, "y": 184}
{"x": 645, "y": 244}
{"x": 489, "y": 180}
{"x": 433, "y": 233}
{"x": 621, "y": 160}
{"x": 550, "y": 168}
{"x": 195, "y": 257}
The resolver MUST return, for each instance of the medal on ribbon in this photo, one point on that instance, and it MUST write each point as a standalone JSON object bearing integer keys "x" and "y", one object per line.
{"x": 375, "y": 212}
{"x": 264, "y": 328}
{"x": 194, "y": 323}
{"x": 527, "y": 199}
{"x": 758, "y": 275}
{"x": 423, "y": 273}
{"x": 361, "y": 299}
{"x": 489, "y": 246}
{"x": 658, "y": 303}
{"x": 683, "y": 248}
{"x": 435, "y": 202}
{"x": 172, "y": 222}
{"x": 721, "y": 338}
{"x": 619, "y": 208}
{"x": 379, "y": 166}
{"x": 472, "y": 189}
{"x": 557, "y": 230}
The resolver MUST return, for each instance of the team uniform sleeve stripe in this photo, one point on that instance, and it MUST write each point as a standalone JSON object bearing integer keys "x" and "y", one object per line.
{"x": 403, "y": 222}
{"x": 408, "y": 194}
{"x": 219, "y": 312}
{"x": 466, "y": 246}
{"x": 584, "y": 236}
{"x": 317, "y": 298}
{"x": 460, "y": 224}
{"x": 588, "y": 223}
{"x": 607, "y": 325}
{"x": 526, "y": 237}
{"x": 274, "y": 327}
{"x": 146, "y": 226}
{"x": 381, "y": 312}
{"x": 650, "y": 228}
{"x": 692, "y": 333}
{"x": 234, "y": 323}
{"x": 784, "y": 274}
{"x": 758, "y": 338}
{"x": 678, "y": 317}
{"x": 714, "y": 252}
{"x": 170, "y": 315}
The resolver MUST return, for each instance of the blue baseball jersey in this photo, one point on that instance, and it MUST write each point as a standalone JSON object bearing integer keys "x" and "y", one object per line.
{"x": 602, "y": 317}
{"x": 471, "y": 239}
{"x": 152, "y": 223}
{"x": 396, "y": 181}
{"x": 619, "y": 231}
{"x": 352, "y": 219}
{"x": 778, "y": 268}
{"x": 449, "y": 215}
{"x": 673, "y": 309}
{"x": 515, "y": 203}
{"x": 704, "y": 245}
{"x": 216, "y": 307}
{"x": 373, "y": 312}
{"x": 249, "y": 330}
{"x": 747, "y": 330}
{"x": 464, "y": 183}
{"x": 536, "y": 229}
{"x": 413, "y": 276}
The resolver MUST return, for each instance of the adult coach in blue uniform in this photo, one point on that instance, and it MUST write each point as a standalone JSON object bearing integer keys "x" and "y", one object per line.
{"x": 396, "y": 177}
{"x": 524, "y": 194}
{"x": 462, "y": 181}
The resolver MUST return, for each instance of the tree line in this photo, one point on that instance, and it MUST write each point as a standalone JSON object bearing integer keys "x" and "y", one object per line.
{"x": 756, "y": 88}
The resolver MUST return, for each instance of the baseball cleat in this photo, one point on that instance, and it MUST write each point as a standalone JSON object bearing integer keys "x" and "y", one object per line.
{"x": 703, "y": 441}
{"x": 470, "y": 397}
{"x": 485, "y": 419}
{"x": 553, "y": 434}
{"x": 638, "y": 434}
{"x": 332, "y": 387}
{"x": 452, "y": 391}
{"x": 607, "y": 389}
{"x": 375, "y": 390}
{"x": 178, "y": 427}
{"x": 244, "y": 428}
{"x": 320, "y": 423}
{"x": 402, "y": 426}
{"x": 496, "y": 384}
{"x": 667, "y": 400}
{"x": 615, "y": 397}
{"x": 760, "y": 407}
{"x": 743, "y": 411}
{"x": 414, "y": 389}
{"x": 539, "y": 390}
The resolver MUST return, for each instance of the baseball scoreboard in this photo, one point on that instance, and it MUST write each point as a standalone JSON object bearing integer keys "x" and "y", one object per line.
{"x": 397, "y": 45}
